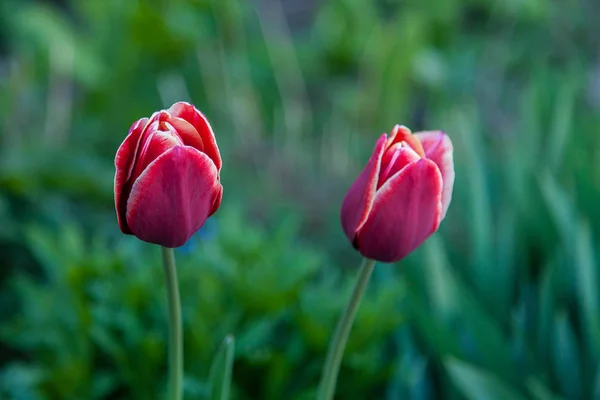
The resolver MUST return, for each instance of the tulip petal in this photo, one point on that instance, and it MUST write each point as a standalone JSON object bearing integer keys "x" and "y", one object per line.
{"x": 438, "y": 148}
{"x": 124, "y": 162}
{"x": 217, "y": 201}
{"x": 400, "y": 134}
{"x": 406, "y": 211}
{"x": 359, "y": 200}
{"x": 157, "y": 143}
{"x": 173, "y": 197}
{"x": 189, "y": 113}
{"x": 158, "y": 116}
{"x": 394, "y": 159}
{"x": 187, "y": 132}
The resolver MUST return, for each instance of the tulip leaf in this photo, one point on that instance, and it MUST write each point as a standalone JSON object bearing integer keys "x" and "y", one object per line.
{"x": 219, "y": 380}
{"x": 466, "y": 127}
{"x": 454, "y": 303}
{"x": 547, "y": 306}
{"x": 540, "y": 392}
{"x": 567, "y": 367}
{"x": 587, "y": 281}
{"x": 562, "y": 122}
{"x": 578, "y": 243}
{"x": 409, "y": 377}
{"x": 476, "y": 384}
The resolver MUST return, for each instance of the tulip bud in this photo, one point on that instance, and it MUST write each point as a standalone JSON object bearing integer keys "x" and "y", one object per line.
{"x": 167, "y": 176}
{"x": 401, "y": 196}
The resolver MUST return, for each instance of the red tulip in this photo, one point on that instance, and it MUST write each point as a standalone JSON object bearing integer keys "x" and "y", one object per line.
{"x": 167, "y": 180}
{"x": 401, "y": 196}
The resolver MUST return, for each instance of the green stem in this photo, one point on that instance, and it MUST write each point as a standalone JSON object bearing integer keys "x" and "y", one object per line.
{"x": 342, "y": 331}
{"x": 175, "y": 332}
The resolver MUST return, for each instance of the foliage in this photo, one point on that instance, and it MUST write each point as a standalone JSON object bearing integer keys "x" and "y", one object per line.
{"x": 502, "y": 302}
{"x": 92, "y": 325}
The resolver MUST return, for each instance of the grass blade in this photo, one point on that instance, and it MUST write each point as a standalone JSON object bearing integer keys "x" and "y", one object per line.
{"x": 220, "y": 374}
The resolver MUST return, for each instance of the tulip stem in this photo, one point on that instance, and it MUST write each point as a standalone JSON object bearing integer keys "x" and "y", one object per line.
{"x": 342, "y": 331}
{"x": 175, "y": 331}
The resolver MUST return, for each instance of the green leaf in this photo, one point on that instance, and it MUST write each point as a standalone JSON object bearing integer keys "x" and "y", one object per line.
{"x": 52, "y": 32}
{"x": 219, "y": 378}
{"x": 442, "y": 289}
{"x": 567, "y": 366}
{"x": 562, "y": 122}
{"x": 454, "y": 304}
{"x": 467, "y": 130}
{"x": 560, "y": 207}
{"x": 546, "y": 309}
{"x": 540, "y": 391}
{"x": 578, "y": 242}
{"x": 476, "y": 384}
{"x": 587, "y": 281}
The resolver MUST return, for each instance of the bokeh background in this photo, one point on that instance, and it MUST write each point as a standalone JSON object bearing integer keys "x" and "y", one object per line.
{"x": 502, "y": 303}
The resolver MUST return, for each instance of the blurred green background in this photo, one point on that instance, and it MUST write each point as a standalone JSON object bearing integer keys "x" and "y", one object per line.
{"x": 502, "y": 303}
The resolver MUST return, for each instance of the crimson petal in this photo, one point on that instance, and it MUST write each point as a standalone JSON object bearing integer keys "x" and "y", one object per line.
{"x": 124, "y": 162}
{"x": 395, "y": 159}
{"x": 406, "y": 211}
{"x": 400, "y": 134}
{"x": 438, "y": 148}
{"x": 156, "y": 143}
{"x": 192, "y": 115}
{"x": 173, "y": 197}
{"x": 187, "y": 132}
{"x": 359, "y": 199}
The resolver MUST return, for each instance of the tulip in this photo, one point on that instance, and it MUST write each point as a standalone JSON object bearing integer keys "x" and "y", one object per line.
{"x": 401, "y": 196}
{"x": 167, "y": 176}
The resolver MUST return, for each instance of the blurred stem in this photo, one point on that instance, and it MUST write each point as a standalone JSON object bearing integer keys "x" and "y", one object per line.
{"x": 342, "y": 331}
{"x": 175, "y": 332}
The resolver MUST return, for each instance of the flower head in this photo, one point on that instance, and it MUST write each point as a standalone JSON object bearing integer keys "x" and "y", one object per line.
{"x": 167, "y": 176}
{"x": 402, "y": 194}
